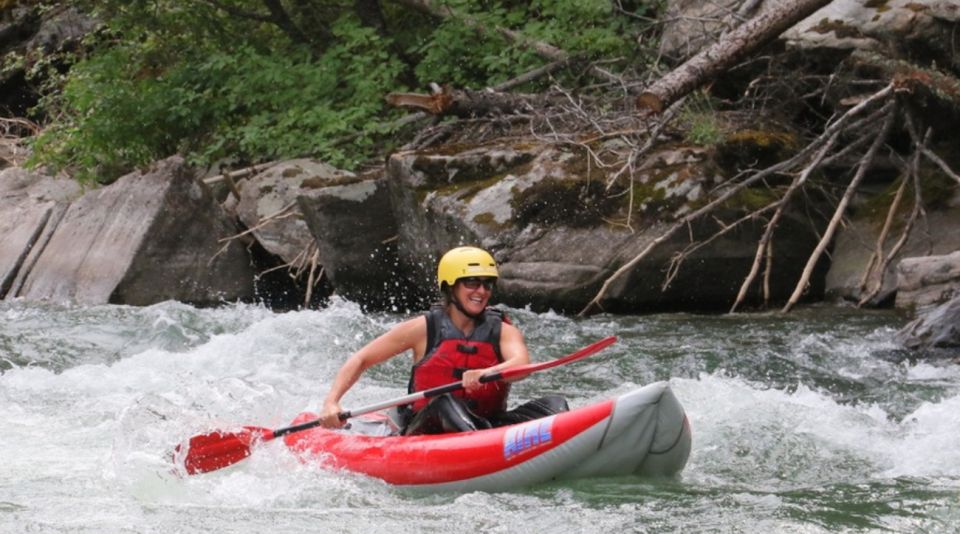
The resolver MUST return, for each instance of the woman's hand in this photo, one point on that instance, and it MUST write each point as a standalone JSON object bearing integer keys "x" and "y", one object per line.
{"x": 330, "y": 415}
{"x": 471, "y": 379}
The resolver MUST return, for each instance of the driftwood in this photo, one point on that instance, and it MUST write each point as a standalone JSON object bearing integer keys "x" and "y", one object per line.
{"x": 725, "y": 53}
{"x": 764, "y": 245}
{"x": 467, "y": 103}
{"x": 880, "y": 261}
{"x": 838, "y": 214}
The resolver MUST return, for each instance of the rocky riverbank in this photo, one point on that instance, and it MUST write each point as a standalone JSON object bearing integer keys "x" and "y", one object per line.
{"x": 162, "y": 234}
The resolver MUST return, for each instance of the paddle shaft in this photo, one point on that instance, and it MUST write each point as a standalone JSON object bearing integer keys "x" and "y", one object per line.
{"x": 512, "y": 372}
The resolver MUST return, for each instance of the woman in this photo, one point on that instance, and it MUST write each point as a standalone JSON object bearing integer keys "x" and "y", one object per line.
{"x": 461, "y": 339}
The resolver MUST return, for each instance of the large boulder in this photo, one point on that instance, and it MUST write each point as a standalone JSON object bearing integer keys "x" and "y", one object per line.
{"x": 937, "y": 234}
{"x": 936, "y": 328}
{"x": 928, "y": 281}
{"x": 31, "y": 205}
{"x": 268, "y": 204}
{"x": 560, "y": 232}
{"x": 911, "y": 27}
{"x": 351, "y": 219}
{"x": 150, "y": 236}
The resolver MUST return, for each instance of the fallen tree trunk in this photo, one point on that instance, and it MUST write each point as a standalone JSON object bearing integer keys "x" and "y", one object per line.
{"x": 466, "y": 103}
{"x": 725, "y": 53}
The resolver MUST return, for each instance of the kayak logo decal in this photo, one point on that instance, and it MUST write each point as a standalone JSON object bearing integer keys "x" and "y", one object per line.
{"x": 528, "y": 436}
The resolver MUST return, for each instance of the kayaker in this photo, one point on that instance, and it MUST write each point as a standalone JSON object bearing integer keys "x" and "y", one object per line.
{"x": 459, "y": 339}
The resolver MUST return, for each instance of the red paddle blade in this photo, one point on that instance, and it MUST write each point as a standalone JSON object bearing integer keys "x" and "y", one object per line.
{"x": 219, "y": 449}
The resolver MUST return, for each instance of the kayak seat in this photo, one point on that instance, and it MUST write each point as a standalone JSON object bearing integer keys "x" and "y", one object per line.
{"x": 535, "y": 409}
{"x": 447, "y": 413}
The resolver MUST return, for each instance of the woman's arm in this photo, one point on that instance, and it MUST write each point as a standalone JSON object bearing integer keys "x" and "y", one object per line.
{"x": 408, "y": 335}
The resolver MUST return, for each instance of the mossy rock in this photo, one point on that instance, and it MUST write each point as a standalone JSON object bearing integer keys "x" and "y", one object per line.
{"x": 755, "y": 148}
{"x": 574, "y": 203}
{"x": 455, "y": 165}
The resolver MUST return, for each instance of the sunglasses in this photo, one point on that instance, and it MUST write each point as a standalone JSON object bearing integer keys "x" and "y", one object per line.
{"x": 475, "y": 283}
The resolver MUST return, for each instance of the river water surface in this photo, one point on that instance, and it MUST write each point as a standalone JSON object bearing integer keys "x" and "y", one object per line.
{"x": 812, "y": 422}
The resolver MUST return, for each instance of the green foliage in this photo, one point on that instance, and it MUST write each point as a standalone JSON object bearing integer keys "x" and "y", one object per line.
{"x": 224, "y": 83}
{"x": 700, "y": 120}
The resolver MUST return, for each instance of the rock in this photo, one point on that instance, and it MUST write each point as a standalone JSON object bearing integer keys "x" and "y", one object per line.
{"x": 148, "y": 237}
{"x": 550, "y": 222}
{"x": 61, "y": 27}
{"x": 565, "y": 267}
{"x": 456, "y": 195}
{"x": 355, "y": 230}
{"x": 855, "y": 243}
{"x": 911, "y": 27}
{"x": 693, "y": 24}
{"x": 25, "y": 29}
{"x": 268, "y": 204}
{"x": 938, "y": 327}
{"x": 31, "y": 205}
{"x": 928, "y": 281}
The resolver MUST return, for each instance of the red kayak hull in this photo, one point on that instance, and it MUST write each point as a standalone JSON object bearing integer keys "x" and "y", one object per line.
{"x": 612, "y": 437}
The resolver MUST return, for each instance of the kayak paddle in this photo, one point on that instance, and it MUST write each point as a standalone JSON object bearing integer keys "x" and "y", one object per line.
{"x": 219, "y": 449}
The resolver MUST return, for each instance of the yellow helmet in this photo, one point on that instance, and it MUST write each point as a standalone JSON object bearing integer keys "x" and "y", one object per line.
{"x": 464, "y": 262}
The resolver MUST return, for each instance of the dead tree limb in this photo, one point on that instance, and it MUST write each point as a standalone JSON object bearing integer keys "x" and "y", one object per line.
{"x": 314, "y": 277}
{"x": 801, "y": 156}
{"x": 876, "y": 258}
{"x": 763, "y": 246}
{"x": 725, "y": 53}
{"x": 466, "y": 103}
{"x": 884, "y": 263}
{"x": 932, "y": 156}
{"x": 680, "y": 257}
{"x": 534, "y": 74}
{"x": 282, "y": 213}
{"x": 883, "y": 260}
{"x": 239, "y": 173}
{"x": 862, "y": 169}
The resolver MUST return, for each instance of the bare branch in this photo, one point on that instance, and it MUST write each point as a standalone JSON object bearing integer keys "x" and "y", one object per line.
{"x": 865, "y": 164}
{"x": 680, "y": 257}
{"x": 883, "y": 261}
{"x": 877, "y": 257}
{"x": 764, "y": 244}
{"x": 932, "y": 156}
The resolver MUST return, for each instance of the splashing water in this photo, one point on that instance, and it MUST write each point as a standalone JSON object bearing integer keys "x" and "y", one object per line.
{"x": 812, "y": 422}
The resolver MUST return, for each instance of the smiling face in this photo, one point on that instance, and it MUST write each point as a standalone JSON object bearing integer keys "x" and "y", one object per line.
{"x": 474, "y": 293}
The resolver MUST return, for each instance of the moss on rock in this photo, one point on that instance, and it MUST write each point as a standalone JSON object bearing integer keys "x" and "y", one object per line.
{"x": 570, "y": 202}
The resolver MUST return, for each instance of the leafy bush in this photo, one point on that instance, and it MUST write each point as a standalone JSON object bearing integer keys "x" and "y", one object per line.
{"x": 216, "y": 80}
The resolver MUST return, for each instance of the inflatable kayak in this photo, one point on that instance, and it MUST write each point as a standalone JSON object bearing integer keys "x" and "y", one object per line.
{"x": 643, "y": 432}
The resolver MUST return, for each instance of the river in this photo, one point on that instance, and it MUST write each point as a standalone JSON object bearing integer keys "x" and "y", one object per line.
{"x": 810, "y": 422}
